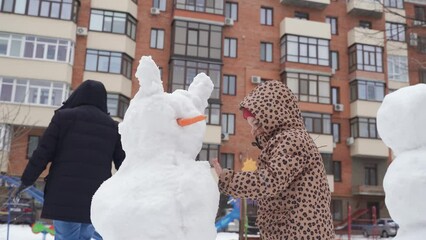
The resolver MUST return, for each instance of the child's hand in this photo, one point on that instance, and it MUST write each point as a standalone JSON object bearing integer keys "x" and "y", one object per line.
{"x": 215, "y": 163}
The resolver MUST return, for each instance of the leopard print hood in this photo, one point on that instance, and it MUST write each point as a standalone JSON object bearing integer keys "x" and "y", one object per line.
{"x": 275, "y": 107}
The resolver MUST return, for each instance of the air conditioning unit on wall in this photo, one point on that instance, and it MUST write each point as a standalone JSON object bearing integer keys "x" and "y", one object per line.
{"x": 155, "y": 11}
{"x": 256, "y": 79}
{"x": 224, "y": 136}
{"x": 338, "y": 107}
{"x": 229, "y": 21}
{"x": 350, "y": 141}
{"x": 81, "y": 31}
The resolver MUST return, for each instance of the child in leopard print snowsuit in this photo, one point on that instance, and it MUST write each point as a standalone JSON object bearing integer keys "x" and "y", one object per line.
{"x": 290, "y": 183}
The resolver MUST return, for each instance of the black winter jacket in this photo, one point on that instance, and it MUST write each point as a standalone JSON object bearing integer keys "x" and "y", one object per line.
{"x": 81, "y": 142}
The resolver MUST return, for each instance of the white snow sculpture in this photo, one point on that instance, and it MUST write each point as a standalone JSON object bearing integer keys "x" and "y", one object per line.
{"x": 401, "y": 124}
{"x": 160, "y": 192}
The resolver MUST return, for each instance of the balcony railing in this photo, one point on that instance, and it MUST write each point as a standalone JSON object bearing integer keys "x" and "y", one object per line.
{"x": 368, "y": 190}
{"x": 213, "y": 6}
{"x": 367, "y": 8}
{"x": 59, "y": 9}
{"x": 316, "y": 4}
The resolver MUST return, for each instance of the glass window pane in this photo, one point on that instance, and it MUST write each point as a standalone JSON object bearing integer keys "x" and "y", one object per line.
{"x": 115, "y": 65}
{"x": 91, "y": 62}
{"x": 96, "y": 22}
{"x": 119, "y": 25}
{"x": 19, "y": 6}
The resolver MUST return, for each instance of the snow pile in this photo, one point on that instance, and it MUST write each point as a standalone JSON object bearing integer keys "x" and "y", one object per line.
{"x": 160, "y": 192}
{"x": 401, "y": 124}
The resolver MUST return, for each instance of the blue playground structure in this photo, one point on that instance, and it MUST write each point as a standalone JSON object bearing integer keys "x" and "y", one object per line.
{"x": 228, "y": 218}
{"x": 32, "y": 191}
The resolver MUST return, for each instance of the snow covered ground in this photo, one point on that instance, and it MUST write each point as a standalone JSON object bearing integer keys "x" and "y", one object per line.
{"x": 23, "y": 232}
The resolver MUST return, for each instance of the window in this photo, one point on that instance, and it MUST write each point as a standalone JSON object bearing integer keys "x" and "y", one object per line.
{"x": 227, "y": 160}
{"x": 109, "y": 62}
{"x": 160, "y": 4}
{"x": 5, "y": 137}
{"x": 364, "y": 128}
{"x": 327, "y": 159}
{"x": 398, "y": 68}
{"x": 334, "y": 60}
{"x": 337, "y": 171}
{"x": 367, "y": 90}
{"x": 333, "y": 24}
{"x": 394, "y": 3}
{"x": 335, "y": 95}
{"x": 117, "y": 105}
{"x": 365, "y": 58}
{"x": 337, "y": 209}
{"x": 157, "y": 38}
{"x": 301, "y": 15}
{"x": 32, "y": 145}
{"x": 421, "y": 44}
{"x": 266, "y": 16}
{"x": 58, "y": 9}
{"x": 208, "y": 6}
{"x": 395, "y": 31}
{"x": 230, "y": 47}
{"x": 309, "y": 87}
{"x": 228, "y": 123}
{"x": 183, "y": 72}
{"x": 113, "y": 22}
{"x": 39, "y": 48}
{"x": 229, "y": 84}
{"x": 197, "y": 40}
{"x": 336, "y": 132}
{"x": 208, "y": 152}
{"x": 266, "y": 52}
{"x": 305, "y": 50}
{"x": 370, "y": 172}
{"x": 420, "y": 15}
{"x": 422, "y": 75}
{"x": 212, "y": 113}
{"x": 317, "y": 122}
{"x": 231, "y": 10}
{"x": 34, "y": 92}
{"x": 365, "y": 24}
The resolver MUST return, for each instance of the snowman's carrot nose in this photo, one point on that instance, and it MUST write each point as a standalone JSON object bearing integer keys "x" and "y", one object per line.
{"x": 188, "y": 121}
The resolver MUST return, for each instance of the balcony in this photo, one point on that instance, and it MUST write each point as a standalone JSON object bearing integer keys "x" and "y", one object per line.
{"x": 367, "y": 147}
{"x": 213, "y": 134}
{"x": 361, "y": 108}
{"x": 40, "y": 115}
{"x": 45, "y": 27}
{"x": 367, "y": 190}
{"x": 35, "y": 69}
{"x": 365, "y": 8}
{"x": 116, "y": 83}
{"x": 323, "y": 142}
{"x": 122, "y": 6}
{"x": 330, "y": 180}
{"x": 315, "y": 4}
{"x": 116, "y": 42}
{"x": 366, "y": 36}
{"x": 305, "y": 28}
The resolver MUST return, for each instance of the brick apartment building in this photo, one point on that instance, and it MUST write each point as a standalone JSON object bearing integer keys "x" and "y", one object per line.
{"x": 339, "y": 57}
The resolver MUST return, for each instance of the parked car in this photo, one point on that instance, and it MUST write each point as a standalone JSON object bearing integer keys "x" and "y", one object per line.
{"x": 20, "y": 212}
{"x": 385, "y": 227}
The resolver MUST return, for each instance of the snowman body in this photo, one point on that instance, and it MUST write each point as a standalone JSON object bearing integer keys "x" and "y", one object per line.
{"x": 400, "y": 121}
{"x": 160, "y": 192}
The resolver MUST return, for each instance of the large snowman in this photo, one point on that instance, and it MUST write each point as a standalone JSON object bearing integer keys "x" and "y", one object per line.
{"x": 401, "y": 123}
{"x": 160, "y": 192}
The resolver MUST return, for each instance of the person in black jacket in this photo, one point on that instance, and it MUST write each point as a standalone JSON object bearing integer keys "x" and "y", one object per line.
{"x": 81, "y": 142}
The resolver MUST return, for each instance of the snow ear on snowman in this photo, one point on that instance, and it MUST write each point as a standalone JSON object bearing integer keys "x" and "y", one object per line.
{"x": 199, "y": 92}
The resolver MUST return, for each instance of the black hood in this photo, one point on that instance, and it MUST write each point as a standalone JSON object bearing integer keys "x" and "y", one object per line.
{"x": 90, "y": 92}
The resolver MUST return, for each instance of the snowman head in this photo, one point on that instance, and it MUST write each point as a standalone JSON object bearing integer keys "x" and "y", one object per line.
{"x": 401, "y": 119}
{"x": 157, "y": 122}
